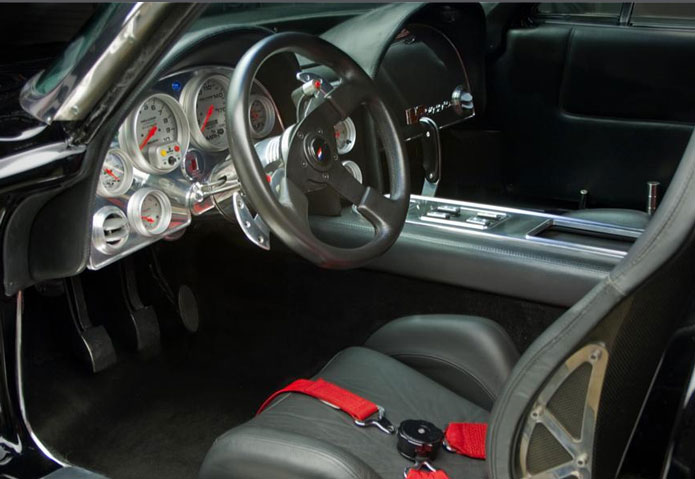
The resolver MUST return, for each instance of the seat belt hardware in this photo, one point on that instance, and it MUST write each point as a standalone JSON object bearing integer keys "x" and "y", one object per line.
{"x": 465, "y": 438}
{"x": 424, "y": 470}
{"x": 379, "y": 421}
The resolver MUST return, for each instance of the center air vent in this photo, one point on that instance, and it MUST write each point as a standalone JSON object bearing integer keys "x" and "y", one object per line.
{"x": 110, "y": 229}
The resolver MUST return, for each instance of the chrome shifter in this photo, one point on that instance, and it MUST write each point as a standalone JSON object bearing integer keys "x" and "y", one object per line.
{"x": 431, "y": 156}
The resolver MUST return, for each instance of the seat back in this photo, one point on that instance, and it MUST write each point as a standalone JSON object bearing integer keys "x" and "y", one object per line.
{"x": 573, "y": 400}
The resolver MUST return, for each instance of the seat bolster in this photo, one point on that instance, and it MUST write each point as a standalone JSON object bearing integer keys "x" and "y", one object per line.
{"x": 250, "y": 452}
{"x": 469, "y": 355}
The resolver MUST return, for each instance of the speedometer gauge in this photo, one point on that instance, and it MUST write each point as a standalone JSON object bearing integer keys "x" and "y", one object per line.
{"x": 149, "y": 211}
{"x": 116, "y": 175}
{"x": 205, "y": 101}
{"x": 261, "y": 115}
{"x": 156, "y": 135}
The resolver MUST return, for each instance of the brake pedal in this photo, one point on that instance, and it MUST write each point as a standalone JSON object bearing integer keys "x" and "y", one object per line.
{"x": 142, "y": 331}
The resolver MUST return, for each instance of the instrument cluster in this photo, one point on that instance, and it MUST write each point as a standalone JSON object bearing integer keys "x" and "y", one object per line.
{"x": 171, "y": 143}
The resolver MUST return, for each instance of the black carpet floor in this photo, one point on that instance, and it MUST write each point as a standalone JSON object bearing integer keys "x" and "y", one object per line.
{"x": 265, "y": 319}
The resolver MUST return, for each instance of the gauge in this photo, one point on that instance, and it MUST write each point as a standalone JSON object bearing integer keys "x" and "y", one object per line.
{"x": 156, "y": 135}
{"x": 261, "y": 115}
{"x": 205, "y": 101}
{"x": 193, "y": 165}
{"x": 149, "y": 211}
{"x": 345, "y": 135}
{"x": 116, "y": 175}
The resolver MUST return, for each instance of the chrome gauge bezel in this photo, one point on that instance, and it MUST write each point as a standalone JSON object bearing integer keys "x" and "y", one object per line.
{"x": 189, "y": 97}
{"x": 270, "y": 111}
{"x": 98, "y": 234}
{"x": 126, "y": 181}
{"x": 127, "y": 134}
{"x": 351, "y": 133}
{"x": 135, "y": 211}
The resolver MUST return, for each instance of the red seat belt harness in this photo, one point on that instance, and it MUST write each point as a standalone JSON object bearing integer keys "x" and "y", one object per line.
{"x": 418, "y": 440}
{"x": 364, "y": 412}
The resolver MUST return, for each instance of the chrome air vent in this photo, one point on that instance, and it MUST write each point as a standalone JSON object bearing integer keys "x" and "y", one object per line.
{"x": 110, "y": 229}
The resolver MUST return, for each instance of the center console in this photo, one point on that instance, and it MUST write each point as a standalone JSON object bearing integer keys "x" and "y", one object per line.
{"x": 523, "y": 225}
{"x": 522, "y": 253}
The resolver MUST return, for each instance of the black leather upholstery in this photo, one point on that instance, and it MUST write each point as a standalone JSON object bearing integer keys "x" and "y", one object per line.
{"x": 469, "y": 355}
{"x": 299, "y": 437}
{"x": 614, "y": 216}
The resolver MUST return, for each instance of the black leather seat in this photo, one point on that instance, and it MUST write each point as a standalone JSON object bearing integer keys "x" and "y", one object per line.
{"x": 448, "y": 368}
{"x": 613, "y": 216}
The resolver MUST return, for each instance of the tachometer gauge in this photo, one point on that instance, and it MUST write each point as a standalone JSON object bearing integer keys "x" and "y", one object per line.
{"x": 149, "y": 211}
{"x": 205, "y": 101}
{"x": 156, "y": 135}
{"x": 261, "y": 115}
{"x": 116, "y": 175}
{"x": 345, "y": 135}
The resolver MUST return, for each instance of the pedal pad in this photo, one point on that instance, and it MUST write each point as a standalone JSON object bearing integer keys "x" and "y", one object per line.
{"x": 142, "y": 331}
{"x": 93, "y": 344}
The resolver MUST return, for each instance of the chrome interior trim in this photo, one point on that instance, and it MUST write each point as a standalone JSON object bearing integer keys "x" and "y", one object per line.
{"x": 75, "y": 94}
{"x": 30, "y": 159}
{"x": 98, "y": 233}
{"x": 20, "y": 386}
{"x": 580, "y": 449}
{"x": 517, "y": 225}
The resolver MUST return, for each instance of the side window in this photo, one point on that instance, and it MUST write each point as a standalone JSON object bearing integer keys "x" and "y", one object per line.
{"x": 664, "y": 14}
{"x": 599, "y": 12}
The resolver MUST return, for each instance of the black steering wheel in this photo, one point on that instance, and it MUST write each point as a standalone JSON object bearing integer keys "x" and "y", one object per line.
{"x": 311, "y": 158}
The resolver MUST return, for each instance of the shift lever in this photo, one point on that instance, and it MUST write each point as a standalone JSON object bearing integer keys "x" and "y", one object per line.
{"x": 431, "y": 156}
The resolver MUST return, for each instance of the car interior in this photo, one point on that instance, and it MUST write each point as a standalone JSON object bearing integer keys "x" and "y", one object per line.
{"x": 461, "y": 212}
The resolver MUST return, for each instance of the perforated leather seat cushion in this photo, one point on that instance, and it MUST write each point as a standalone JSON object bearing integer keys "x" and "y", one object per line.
{"x": 300, "y": 437}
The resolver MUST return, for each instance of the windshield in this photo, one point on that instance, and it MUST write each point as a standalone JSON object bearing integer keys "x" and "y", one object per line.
{"x": 76, "y": 50}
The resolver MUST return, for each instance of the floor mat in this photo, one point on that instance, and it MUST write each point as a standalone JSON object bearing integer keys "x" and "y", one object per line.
{"x": 141, "y": 418}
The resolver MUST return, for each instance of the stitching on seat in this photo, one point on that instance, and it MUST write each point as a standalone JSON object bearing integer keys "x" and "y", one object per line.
{"x": 475, "y": 379}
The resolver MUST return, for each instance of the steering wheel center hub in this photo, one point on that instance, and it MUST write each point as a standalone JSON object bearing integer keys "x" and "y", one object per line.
{"x": 319, "y": 152}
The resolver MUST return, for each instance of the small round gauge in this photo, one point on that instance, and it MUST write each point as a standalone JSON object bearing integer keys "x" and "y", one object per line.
{"x": 345, "y": 135}
{"x": 261, "y": 115}
{"x": 193, "y": 165}
{"x": 205, "y": 101}
{"x": 116, "y": 175}
{"x": 149, "y": 211}
{"x": 156, "y": 135}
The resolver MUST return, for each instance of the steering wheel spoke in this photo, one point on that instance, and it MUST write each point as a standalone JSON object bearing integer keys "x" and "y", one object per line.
{"x": 380, "y": 211}
{"x": 337, "y": 105}
{"x": 295, "y": 201}
{"x": 346, "y": 185}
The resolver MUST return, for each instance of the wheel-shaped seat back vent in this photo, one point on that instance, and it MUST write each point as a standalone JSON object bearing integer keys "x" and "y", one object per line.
{"x": 110, "y": 229}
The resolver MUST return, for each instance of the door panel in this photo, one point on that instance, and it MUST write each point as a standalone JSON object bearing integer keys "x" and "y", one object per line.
{"x": 597, "y": 107}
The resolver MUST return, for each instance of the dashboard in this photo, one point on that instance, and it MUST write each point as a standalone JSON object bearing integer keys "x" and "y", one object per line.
{"x": 171, "y": 149}
{"x": 173, "y": 142}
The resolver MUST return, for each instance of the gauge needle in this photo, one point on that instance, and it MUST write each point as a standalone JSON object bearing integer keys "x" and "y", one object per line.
{"x": 110, "y": 173}
{"x": 148, "y": 219}
{"x": 207, "y": 117}
{"x": 150, "y": 134}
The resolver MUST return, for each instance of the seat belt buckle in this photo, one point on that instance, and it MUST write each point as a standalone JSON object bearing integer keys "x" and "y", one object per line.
{"x": 378, "y": 420}
{"x": 422, "y": 470}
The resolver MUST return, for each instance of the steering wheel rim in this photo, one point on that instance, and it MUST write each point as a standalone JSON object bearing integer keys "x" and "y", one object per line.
{"x": 312, "y": 155}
